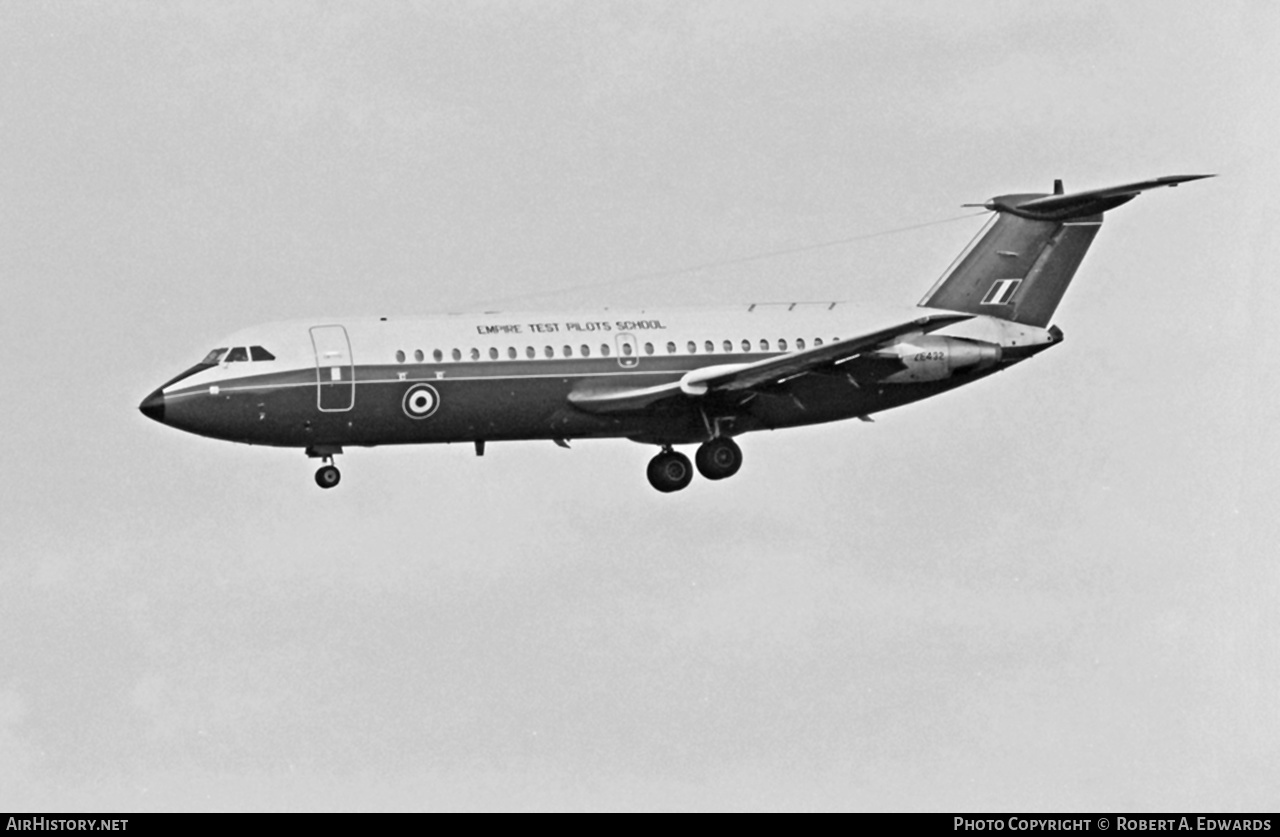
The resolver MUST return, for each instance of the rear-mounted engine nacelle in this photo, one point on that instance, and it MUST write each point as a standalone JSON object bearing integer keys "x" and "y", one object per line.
{"x": 932, "y": 358}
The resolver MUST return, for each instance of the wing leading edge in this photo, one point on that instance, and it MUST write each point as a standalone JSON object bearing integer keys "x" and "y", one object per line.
{"x": 748, "y": 377}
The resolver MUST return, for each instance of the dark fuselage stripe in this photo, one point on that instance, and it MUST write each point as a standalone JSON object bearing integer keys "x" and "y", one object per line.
{"x": 503, "y": 370}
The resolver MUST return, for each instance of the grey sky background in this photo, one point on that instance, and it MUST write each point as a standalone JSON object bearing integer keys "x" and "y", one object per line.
{"x": 1056, "y": 589}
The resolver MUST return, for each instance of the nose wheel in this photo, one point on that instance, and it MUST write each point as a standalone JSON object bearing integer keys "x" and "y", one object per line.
{"x": 328, "y": 476}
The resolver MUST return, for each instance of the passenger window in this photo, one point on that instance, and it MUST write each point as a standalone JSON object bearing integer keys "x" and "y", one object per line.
{"x": 764, "y": 345}
{"x": 604, "y": 349}
{"x": 746, "y": 345}
{"x": 399, "y": 356}
{"x": 549, "y": 352}
{"x": 530, "y": 352}
{"x": 626, "y": 349}
{"x": 493, "y": 353}
{"x": 648, "y": 349}
{"x": 259, "y": 353}
{"x": 693, "y": 348}
{"x": 800, "y": 343}
{"x": 456, "y": 354}
{"x": 214, "y": 356}
{"x": 475, "y": 354}
{"x": 817, "y": 341}
{"x": 437, "y": 355}
{"x": 728, "y": 346}
{"x": 237, "y": 354}
{"x": 568, "y": 351}
{"x": 418, "y": 356}
{"x": 511, "y": 352}
{"x": 782, "y": 345}
{"x": 586, "y": 350}
{"x": 709, "y": 346}
{"x": 671, "y": 348}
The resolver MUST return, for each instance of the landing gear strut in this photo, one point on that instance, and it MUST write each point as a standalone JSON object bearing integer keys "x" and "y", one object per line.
{"x": 670, "y": 471}
{"x": 719, "y": 458}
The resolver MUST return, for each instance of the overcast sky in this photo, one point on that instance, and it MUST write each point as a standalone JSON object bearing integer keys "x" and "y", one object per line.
{"x": 1053, "y": 590}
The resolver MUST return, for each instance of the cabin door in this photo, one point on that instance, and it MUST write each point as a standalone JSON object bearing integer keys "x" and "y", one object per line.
{"x": 335, "y": 372}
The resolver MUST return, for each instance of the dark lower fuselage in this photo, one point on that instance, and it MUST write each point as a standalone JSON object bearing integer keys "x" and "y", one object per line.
{"x": 424, "y": 403}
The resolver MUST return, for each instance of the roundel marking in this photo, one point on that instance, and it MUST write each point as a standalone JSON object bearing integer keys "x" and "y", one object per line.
{"x": 420, "y": 401}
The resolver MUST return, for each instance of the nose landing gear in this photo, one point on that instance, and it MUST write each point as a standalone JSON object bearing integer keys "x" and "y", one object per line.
{"x": 328, "y": 476}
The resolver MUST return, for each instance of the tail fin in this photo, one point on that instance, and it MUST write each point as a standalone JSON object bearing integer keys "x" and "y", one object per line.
{"x": 1019, "y": 265}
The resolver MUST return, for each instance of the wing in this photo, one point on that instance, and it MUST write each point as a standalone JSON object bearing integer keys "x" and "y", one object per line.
{"x": 746, "y": 377}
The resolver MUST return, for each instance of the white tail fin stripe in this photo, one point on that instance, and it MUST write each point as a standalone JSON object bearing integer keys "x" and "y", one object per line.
{"x": 1001, "y": 292}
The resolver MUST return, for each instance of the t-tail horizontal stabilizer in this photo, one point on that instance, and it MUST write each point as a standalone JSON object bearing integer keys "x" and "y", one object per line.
{"x": 1020, "y": 264}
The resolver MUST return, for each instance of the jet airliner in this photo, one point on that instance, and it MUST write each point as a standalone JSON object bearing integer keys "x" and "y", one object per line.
{"x": 658, "y": 376}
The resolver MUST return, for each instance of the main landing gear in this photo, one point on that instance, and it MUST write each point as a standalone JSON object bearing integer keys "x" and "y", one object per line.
{"x": 671, "y": 471}
{"x": 719, "y": 458}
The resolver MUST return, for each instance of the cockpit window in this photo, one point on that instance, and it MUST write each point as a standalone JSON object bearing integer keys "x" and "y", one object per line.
{"x": 214, "y": 356}
{"x": 237, "y": 354}
{"x": 259, "y": 353}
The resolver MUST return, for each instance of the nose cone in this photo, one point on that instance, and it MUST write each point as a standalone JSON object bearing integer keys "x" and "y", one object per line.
{"x": 153, "y": 406}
